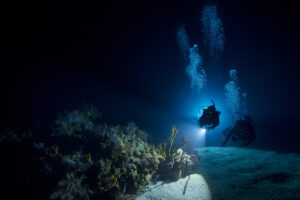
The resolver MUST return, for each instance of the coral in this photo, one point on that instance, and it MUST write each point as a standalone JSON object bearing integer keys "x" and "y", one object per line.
{"x": 15, "y": 135}
{"x": 96, "y": 160}
{"x": 76, "y": 121}
{"x": 141, "y": 134}
{"x": 70, "y": 188}
{"x": 175, "y": 163}
{"x": 130, "y": 166}
{"x": 52, "y": 151}
{"x": 115, "y": 160}
{"x": 178, "y": 166}
{"x": 173, "y": 135}
{"x": 68, "y": 123}
{"x": 163, "y": 147}
{"x": 112, "y": 132}
{"x": 77, "y": 160}
{"x": 163, "y": 150}
{"x": 39, "y": 145}
{"x": 130, "y": 128}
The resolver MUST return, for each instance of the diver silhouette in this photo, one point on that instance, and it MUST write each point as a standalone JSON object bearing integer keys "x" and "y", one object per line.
{"x": 210, "y": 117}
{"x": 244, "y": 130}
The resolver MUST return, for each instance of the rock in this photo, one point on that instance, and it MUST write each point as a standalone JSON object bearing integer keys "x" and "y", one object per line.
{"x": 192, "y": 187}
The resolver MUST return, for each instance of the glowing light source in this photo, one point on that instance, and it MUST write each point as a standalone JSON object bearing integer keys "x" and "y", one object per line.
{"x": 202, "y": 130}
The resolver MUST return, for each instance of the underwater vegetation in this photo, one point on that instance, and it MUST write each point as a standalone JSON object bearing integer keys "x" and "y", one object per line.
{"x": 111, "y": 160}
{"x": 212, "y": 29}
{"x": 70, "y": 188}
{"x": 71, "y": 123}
{"x": 166, "y": 153}
{"x": 175, "y": 164}
{"x": 82, "y": 157}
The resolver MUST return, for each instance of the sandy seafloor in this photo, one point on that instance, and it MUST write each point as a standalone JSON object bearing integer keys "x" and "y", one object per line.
{"x": 241, "y": 173}
{"x": 228, "y": 173}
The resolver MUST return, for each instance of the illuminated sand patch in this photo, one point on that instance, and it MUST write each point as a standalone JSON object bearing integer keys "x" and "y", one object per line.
{"x": 192, "y": 187}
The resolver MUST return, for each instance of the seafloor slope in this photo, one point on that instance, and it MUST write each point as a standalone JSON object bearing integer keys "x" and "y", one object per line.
{"x": 235, "y": 174}
{"x": 192, "y": 187}
{"x": 244, "y": 174}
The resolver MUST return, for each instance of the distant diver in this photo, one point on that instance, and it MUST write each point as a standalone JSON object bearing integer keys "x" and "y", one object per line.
{"x": 209, "y": 118}
{"x": 244, "y": 130}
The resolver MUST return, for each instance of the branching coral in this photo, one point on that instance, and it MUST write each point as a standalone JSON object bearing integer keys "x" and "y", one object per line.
{"x": 129, "y": 167}
{"x": 173, "y": 135}
{"x": 123, "y": 162}
{"x": 179, "y": 165}
{"x": 70, "y": 188}
{"x": 131, "y": 128}
{"x": 79, "y": 161}
{"x": 52, "y": 151}
{"x": 163, "y": 147}
{"x": 98, "y": 162}
{"x": 70, "y": 123}
{"x": 176, "y": 163}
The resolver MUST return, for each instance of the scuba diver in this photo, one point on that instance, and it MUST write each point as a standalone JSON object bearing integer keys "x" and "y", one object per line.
{"x": 210, "y": 117}
{"x": 244, "y": 130}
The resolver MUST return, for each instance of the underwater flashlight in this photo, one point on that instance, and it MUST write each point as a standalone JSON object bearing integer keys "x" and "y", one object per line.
{"x": 202, "y": 130}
